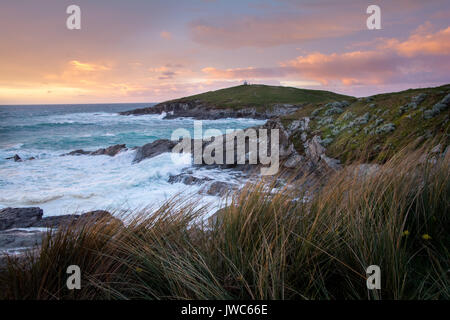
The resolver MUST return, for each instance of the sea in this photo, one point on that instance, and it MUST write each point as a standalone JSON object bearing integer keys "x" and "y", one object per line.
{"x": 75, "y": 184}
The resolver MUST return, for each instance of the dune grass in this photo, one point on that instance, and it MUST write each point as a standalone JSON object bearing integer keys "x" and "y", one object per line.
{"x": 292, "y": 243}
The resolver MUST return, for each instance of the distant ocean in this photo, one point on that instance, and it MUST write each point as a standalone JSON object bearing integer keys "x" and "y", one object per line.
{"x": 64, "y": 185}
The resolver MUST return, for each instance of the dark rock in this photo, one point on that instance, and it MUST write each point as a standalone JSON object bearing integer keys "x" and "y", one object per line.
{"x": 72, "y": 219}
{"x": 77, "y": 153}
{"x": 11, "y": 218}
{"x": 55, "y": 221}
{"x": 19, "y": 239}
{"x": 19, "y": 217}
{"x": 218, "y": 188}
{"x": 153, "y": 149}
{"x": 16, "y": 158}
{"x": 188, "y": 179}
{"x": 110, "y": 151}
{"x": 316, "y": 157}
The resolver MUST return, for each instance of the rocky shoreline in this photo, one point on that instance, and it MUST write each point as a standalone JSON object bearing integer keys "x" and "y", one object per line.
{"x": 201, "y": 111}
{"x": 22, "y": 229}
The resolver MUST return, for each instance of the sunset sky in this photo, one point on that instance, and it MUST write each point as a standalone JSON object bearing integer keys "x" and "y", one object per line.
{"x": 150, "y": 51}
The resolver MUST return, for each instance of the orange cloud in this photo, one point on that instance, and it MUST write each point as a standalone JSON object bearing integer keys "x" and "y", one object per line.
{"x": 422, "y": 42}
{"x": 87, "y": 66}
{"x": 391, "y": 61}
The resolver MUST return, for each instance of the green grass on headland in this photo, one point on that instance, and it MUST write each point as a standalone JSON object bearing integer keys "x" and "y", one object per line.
{"x": 379, "y": 126}
{"x": 263, "y": 96}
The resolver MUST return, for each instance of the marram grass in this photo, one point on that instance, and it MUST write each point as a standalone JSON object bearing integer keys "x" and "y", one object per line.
{"x": 293, "y": 243}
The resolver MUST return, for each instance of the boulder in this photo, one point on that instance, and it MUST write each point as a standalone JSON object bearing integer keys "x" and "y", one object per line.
{"x": 218, "y": 188}
{"x": 19, "y": 217}
{"x": 315, "y": 154}
{"x": 153, "y": 149}
{"x": 293, "y": 161}
{"x": 16, "y": 158}
{"x": 83, "y": 219}
{"x": 110, "y": 151}
{"x": 18, "y": 240}
{"x": 188, "y": 179}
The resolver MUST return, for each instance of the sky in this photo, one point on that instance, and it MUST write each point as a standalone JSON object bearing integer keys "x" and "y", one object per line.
{"x": 151, "y": 51}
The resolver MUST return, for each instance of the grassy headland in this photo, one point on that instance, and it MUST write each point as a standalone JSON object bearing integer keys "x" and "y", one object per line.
{"x": 262, "y": 96}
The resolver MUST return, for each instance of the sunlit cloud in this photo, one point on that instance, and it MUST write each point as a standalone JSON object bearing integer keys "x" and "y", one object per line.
{"x": 87, "y": 66}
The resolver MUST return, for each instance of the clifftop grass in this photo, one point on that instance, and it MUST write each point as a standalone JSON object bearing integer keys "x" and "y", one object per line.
{"x": 377, "y": 126}
{"x": 263, "y": 96}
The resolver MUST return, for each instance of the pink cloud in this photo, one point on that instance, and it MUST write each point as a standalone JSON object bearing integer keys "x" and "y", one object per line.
{"x": 423, "y": 57}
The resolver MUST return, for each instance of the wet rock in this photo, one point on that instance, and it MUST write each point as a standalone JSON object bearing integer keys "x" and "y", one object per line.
{"x": 14, "y": 241}
{"x": 19, "y": 217}
{"x": 188, "y": 179}
{"x": 153, "y": 149}
{"x": 110, "y": 151}
{"x": 16, "y": 158}
{"x": 86, "y": 218}
{"x": 78, "y": 152}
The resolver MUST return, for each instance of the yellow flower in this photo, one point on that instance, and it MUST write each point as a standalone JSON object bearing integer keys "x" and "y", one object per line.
{"x": 139, "y": 269}
{"x": 406, "y": 233}
{"x": 426, "y": 236}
